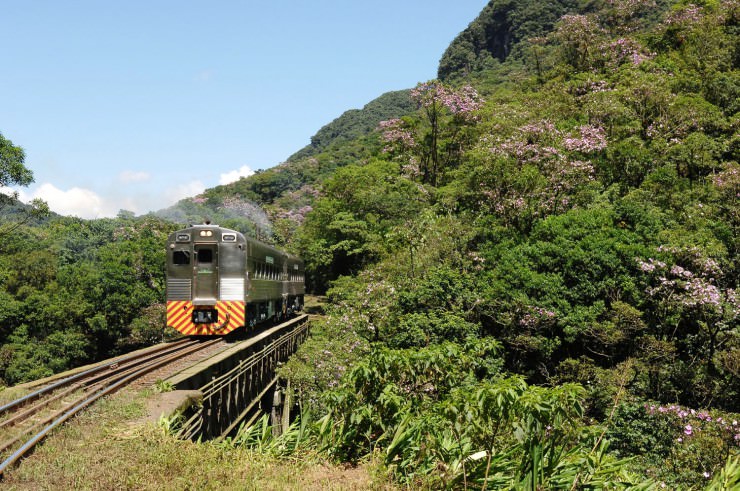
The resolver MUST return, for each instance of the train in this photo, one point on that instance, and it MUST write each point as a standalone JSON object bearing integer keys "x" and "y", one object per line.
{"x": 219, "y": 280}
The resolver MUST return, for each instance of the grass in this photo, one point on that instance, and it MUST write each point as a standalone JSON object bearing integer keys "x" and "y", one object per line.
{"x": 8, "y": 394}
{"x": 109, "y": 447}
{"x": 314, "y": 304}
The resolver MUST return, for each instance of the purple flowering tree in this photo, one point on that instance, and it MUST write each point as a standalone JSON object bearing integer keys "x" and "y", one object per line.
{"x": 625, "y": 15}
{"x": 436, "y": 138}
{"x": 578, "y": 37}
{"x": 537, "y": 170}
{"x": 692, "y": 293}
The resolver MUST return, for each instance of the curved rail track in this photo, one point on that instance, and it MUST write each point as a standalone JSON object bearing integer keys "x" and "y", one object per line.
{"x": 38, "y": 413}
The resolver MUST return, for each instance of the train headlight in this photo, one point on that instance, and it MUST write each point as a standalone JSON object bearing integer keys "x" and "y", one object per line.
{"x": 206, "y": 233}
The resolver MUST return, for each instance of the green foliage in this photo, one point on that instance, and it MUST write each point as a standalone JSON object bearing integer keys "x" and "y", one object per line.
{"x": 13, "y": 172}
{"x": 347, "y": 228}
{"x": 585, "y": 218}
{"x": 728, "y": 477}
{"x": 435, "y": 409}
{"x": 681, "y": 447}
{"x": 162, "y": 386}
{"x": 78, "y": 291}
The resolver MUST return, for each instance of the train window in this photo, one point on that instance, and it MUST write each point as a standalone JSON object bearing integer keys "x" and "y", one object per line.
{"x": 181, "y": 257}
{"x": 205, "y": 256}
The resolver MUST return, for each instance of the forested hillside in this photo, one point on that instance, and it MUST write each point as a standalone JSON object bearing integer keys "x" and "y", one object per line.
{"x": 536, "y": 271}
{"x": 532, "y": 268}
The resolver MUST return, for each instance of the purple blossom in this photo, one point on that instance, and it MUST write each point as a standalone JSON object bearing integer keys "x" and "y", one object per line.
{"x": 396, "y": 135}
{"x": 535, "y": 316}
{"x": 650, "y": 265}
{"x": 624, "y": 49}
{"x": 687, "y": 15}
{"x": 591, "y": 139}
{"x": 728, "y": 180}
{"x": 693, "y": 421}
{"x": 701, "y": 293}
{"x": 297, "y": 215}
{"x": 463, "y": 102}
{"x": 681, "y": 272}
{"x": 539, "y": 130}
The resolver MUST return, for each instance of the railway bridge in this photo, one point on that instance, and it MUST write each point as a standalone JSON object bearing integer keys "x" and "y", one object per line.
{"x": 237, "y": 385}
{"x": 216, "y": 395}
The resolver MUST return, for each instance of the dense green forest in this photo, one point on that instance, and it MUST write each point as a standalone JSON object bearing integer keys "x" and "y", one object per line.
{"x": 531, "y": 263}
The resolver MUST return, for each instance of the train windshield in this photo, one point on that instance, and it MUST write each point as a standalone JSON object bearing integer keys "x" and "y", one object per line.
{"x": 181, "y": 257}
{"x": 205, "y": 256}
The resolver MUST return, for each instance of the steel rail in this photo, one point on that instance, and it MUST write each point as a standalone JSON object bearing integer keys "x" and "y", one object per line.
{"x": 80, "y": 404}
{"x": 71, "y": 387}
{"x": 164, "y": 356}
{"x": 66, "y": 381}
{"x": 111, "y": 378}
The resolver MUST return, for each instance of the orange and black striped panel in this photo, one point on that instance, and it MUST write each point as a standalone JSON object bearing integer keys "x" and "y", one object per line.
{"x": 180, "y": 317}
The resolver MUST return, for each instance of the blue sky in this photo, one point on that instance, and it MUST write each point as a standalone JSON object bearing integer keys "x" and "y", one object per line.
{"x": 136, "y": 104}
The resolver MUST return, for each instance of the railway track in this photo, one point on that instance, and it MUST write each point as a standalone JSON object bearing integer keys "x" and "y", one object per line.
{"x": 27, "y": 420}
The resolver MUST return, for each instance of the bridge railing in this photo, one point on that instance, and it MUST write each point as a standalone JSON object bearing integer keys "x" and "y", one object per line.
{"x": 234, "y": 397}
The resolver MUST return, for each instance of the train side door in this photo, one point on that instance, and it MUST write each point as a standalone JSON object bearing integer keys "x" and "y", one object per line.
{"x": 206, "y": 274}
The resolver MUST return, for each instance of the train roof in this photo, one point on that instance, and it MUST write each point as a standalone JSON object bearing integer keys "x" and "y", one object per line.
{"x": 240, "y": 237}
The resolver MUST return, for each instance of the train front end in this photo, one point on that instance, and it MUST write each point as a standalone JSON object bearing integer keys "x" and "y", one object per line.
{"x": 206, "y": 284}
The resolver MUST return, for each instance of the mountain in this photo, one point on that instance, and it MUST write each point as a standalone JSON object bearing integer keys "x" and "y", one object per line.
{"x": 498, "y": 32}
{"x": 357, "y": 122}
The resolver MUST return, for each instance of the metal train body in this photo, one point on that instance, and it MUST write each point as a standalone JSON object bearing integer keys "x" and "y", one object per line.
{"x": 218, "y": 280}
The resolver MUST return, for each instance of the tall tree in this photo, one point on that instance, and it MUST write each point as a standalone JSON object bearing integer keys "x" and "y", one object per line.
{"x": 13, "y": 172}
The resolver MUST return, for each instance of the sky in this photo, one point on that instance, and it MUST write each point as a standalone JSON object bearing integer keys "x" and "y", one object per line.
{"x": 133, "y": 105}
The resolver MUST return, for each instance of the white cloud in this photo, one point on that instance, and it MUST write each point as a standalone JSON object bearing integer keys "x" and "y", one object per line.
{"x": 13, "y": 193}
{"x": 187, "y": 190}
{"x": 131, "y": 176}
{"x": 88, "y": 204}
{"x": 235, "y": 175}
{"x": 76, "y": 201}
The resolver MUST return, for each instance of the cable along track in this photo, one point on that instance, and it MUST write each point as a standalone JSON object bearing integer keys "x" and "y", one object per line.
{"x": 38, "y": 413}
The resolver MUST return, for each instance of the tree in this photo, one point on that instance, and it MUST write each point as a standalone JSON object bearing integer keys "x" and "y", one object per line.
{"x": 13, "y": 172}
{"x": 434, "y": 140}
